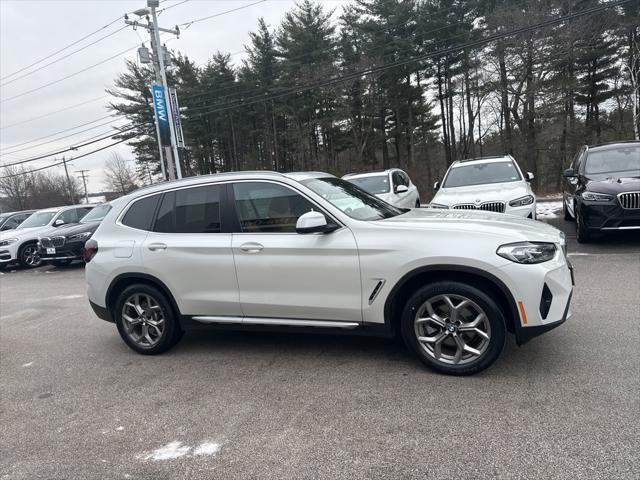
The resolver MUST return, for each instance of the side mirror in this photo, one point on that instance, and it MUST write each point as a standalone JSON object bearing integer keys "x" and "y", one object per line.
{"x": 58, "y": 222}
{"x": 529, "y": 177}
{"x": 401, "y": 189}
{"x": 569, "y": 173}
{"x": 436, "y": 185}
{"x": 313, "y": 222}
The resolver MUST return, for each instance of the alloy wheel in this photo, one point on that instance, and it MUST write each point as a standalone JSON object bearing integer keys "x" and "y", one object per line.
{"x": 143, "y": 319}
{"x": 30, "y": 256}
{"x": 452, "y": 329}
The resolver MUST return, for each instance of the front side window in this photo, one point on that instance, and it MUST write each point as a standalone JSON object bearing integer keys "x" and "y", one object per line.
{"x": 481, "y": 174}
{"x": 352, "y": 200}
{"x": 374, "y": 184}
{"x": 38, "y": 219}
{"x": 268, "y": 207}
{"x": 140, "y": 213}
{"x": 190, "y": 210}
{"x": 624, "y": 160}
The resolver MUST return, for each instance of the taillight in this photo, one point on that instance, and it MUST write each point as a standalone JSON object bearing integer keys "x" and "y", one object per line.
{"x": 90, "y": 250}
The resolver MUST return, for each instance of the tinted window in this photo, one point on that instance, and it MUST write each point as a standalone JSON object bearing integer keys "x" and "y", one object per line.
{"x": 140, "y": 214}
{"x": 375, "y": 184}
{"x": 399, "y": 179}
{"x": 267, "y": 207}
{"x": 13, "y": 222}
{"x": 482, "y": 173}
{"x": 406, "y": 179}
{"x": 191, "y": 210}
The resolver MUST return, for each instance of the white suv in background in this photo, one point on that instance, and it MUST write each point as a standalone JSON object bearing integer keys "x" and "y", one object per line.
{"x": 310, "y": 251}
{"x": 393, "y": 186}
{"x": 494, "y": 184}
{"x": 21, "y": 244}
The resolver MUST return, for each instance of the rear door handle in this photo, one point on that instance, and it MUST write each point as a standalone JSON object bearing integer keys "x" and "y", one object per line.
{"x": 251, "y": 247}
{"x": 157, "y": 247}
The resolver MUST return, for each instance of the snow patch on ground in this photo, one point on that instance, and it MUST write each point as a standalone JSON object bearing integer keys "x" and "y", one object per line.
{"x": 66, "y": 297}
{"x": 173, "y": 450}
{"x": 548, "y": 210}
{"x": 27, "y": 364}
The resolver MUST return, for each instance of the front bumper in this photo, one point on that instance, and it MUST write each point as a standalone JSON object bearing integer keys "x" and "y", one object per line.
{"x": 542, "y": 293}
{"x": 70, "y": 251}
{"x": 608, "y": 216}
{"x": 9, "y": 254}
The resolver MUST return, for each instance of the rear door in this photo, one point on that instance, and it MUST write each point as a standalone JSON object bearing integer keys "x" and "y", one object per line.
{"x": 283, "y": 274}
{"x": 191, "y": 253}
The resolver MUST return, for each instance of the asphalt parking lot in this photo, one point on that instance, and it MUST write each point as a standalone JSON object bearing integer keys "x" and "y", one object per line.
{"x": 78, "y": 404}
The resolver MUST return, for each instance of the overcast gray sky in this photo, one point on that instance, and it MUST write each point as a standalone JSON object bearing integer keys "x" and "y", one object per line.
{"x": 33, "y": 29}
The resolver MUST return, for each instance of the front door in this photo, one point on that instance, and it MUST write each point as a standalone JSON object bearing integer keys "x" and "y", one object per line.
{"x": 283, "y": 274}
{"x": 190, "y": 253}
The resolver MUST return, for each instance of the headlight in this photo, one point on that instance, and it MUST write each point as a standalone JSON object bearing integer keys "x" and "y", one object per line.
{"x": 522, "y": 201}
{"x": 528, "y": 252}
{"x": 437, "y": 205}
{"x": 79, "y": 237}
{"x": 8, "y": 241}
{"x": 596, "y": 197}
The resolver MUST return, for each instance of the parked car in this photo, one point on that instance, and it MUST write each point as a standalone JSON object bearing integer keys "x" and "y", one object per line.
{"x": 61, "y": 246}
{"x": 21, "y": 245}
{"x": 310, "y": 251}
{"x": 393, "y": 186}
{"x": 494, "y": 184}
{"x": 11, "y": 220}
{"x": 601, "y": 189}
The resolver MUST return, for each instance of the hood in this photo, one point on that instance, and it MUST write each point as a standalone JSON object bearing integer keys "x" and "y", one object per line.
{"x": 21, "y": 233}
{"x": 506, "y": 228}
{"x": 504, "y": 192}
{"x": 613, "y": 185}
{"x": 70, "y": 229}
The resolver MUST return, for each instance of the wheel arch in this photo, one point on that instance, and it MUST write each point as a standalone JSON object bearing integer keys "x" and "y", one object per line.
{"x": 122, "y": 281}
{"x": 475, "y": 277}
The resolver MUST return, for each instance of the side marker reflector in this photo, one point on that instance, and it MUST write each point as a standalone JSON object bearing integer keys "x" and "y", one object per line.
{"x": 523, "y": 315}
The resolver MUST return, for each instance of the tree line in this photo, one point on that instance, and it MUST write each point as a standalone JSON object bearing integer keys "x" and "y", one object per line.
{"x": 538, "y": 95}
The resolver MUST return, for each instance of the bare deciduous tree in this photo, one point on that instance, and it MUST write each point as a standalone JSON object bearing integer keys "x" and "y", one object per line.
{"x": 24, "y": 189}
{"x": 119, "y": 176}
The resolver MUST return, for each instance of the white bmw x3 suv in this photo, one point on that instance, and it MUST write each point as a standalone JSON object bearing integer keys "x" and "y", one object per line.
{"x": 494, "y": 184}
{"x": 312, "y": 252}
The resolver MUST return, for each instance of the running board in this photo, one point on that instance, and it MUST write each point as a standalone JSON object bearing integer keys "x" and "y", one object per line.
{"x": 290, "y": 322}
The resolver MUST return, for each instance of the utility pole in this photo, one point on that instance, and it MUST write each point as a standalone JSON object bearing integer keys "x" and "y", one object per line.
{"x": 171, "y": 150}
{"x": 69, "y": 189}
{"x": 82, "y": 173}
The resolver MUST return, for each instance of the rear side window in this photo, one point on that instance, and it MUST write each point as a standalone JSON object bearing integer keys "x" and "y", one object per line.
{"x": 190, "y": 210}
{"x": 140, "y": 214}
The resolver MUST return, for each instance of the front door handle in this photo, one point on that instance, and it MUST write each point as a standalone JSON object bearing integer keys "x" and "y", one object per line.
{"x": 251, "y": 247}
{"x": 157, "y": 247}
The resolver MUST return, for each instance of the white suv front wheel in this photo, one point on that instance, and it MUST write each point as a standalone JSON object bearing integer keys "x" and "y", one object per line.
{"x": 453, "y": 327}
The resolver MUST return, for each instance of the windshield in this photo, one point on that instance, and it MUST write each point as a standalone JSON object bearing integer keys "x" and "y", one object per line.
{"x": 624, "y": 160}
{"x": 351, "y": 199}
{"x": 97, "y": 214}
{"x": 482, "y": 173}
{"x": 38, "y": 219}
{"x": 374, "y": 184}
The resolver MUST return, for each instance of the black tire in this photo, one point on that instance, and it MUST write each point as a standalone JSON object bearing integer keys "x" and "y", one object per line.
{"x": 171, "y": 333}
{"x": 493, "y": 314}
{"x": 583, "y": 235}
{"x": 61, "y": 263}
{"x": 3, "y": 266}
{"x": 418, "y": 203}
{"x": 27, "y": 254}
{"x": 567, "y": 214}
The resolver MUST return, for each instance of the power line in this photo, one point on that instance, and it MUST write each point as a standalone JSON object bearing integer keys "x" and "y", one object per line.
{"x": 54, "y": 134}
{"x": 63, "y": 57}
{"x": 61, "y": 162}
{"x": 70, "y": 149}
{"x": 359, "y": 74}
{"x": 188, "y": 24}
{"x": 61, "y": 50}
{"x": 54, "y": 112}
{"x": 70, "y": 75}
